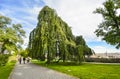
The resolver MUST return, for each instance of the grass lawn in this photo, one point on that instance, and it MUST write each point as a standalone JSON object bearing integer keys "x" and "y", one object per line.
{"x": 86, "y": 71}
{"x": 6, "y": 70}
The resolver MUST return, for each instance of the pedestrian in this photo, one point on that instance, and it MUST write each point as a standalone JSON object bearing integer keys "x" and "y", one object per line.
{"x": 24, "y": 60}
{"x": 20, "y": 59}
{"x": 28, "y": 59}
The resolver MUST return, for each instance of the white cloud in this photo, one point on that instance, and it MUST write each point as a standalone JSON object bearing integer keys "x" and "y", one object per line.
{"x": 99, "y": 49}
{"x": 35, "y": 10}
{"x": 79, "y": 15}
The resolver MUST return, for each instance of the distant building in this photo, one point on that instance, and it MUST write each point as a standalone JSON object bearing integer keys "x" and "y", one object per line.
{"x": 106, "y": 55}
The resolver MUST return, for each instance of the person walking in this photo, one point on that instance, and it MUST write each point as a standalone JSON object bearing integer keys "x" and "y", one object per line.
{"x": 24, "y": 60}
{"x": 20, "y": 59}
{"x": 28, "y": 59}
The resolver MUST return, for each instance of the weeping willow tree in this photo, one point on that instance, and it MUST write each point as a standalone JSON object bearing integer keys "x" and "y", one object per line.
{"x": 52, "y": 39}
{"x": 82, "y": 49}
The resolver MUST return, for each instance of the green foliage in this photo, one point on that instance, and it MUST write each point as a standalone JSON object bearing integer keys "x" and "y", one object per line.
{"x": 6, "y": 70}
{"x": 4, "y": 21}
{"x": 79, "y": 49}
{"x": 52, "y": 38}
{"x": 24, "y": 53}
{"x": 50, "y": 35}
{"x": 11, "y": 35}
{"x": 3, "y": 59}
{"x": 109, "y": 29}
{"x": 81, "y": 44}
{"x": 80, "y": 41}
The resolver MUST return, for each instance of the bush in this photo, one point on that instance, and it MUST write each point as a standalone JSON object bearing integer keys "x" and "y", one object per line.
{"x": 3, "y": 59}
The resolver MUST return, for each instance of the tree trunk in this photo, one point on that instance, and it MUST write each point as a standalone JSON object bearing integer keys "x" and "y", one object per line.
{"x": 64, "y": 57}
{"x": 48, "y": 54}
{"x": 2, "y": 50}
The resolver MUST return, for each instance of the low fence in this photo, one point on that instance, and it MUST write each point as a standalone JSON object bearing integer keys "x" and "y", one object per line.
{"x": 103, "y": 60}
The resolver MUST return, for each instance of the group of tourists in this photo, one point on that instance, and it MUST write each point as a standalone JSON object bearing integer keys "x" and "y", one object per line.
{"x": 24, "y": 59}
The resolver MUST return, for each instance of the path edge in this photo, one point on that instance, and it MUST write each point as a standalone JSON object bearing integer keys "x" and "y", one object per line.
{"x": 10, "y": 75}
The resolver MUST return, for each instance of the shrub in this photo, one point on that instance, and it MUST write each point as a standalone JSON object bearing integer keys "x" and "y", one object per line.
{"x": 3, "y": 59}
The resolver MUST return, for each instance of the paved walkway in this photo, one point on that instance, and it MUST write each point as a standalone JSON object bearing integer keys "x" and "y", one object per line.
{"x": 31, "y": 71}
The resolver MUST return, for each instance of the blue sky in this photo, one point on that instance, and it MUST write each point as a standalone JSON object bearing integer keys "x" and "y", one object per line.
{"x": 77, "y": 13}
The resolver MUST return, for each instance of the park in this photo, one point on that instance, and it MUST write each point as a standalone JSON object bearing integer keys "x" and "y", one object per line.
{"x": 52, "y": 51}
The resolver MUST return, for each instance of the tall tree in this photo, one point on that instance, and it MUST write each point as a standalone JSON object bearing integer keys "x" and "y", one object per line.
{"x": 52, "y": 38}
{"x": 109, "y": 29}
{"x": 50, "y": 35}
{"x": 81, "y": 44}
{"x": 11, "y": 37}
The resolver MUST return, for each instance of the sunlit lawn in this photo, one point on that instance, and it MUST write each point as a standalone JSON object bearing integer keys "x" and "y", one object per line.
{"x": 6, "y": 70}
{"x": 86, "y": 71}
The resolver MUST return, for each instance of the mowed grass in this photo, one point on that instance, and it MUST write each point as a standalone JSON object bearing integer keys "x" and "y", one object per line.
{"x": 86, "y": 71}
{"x": 6, "y": 70}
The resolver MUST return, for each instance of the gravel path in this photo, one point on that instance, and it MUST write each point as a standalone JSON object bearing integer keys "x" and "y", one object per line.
{"x": 31, "y": 71}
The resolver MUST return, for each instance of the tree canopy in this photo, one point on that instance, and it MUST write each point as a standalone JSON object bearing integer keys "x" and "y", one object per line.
{"x": 52, "y": 38}
{"x": 11, "y": 35}
{"x": 109, "y": 29}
